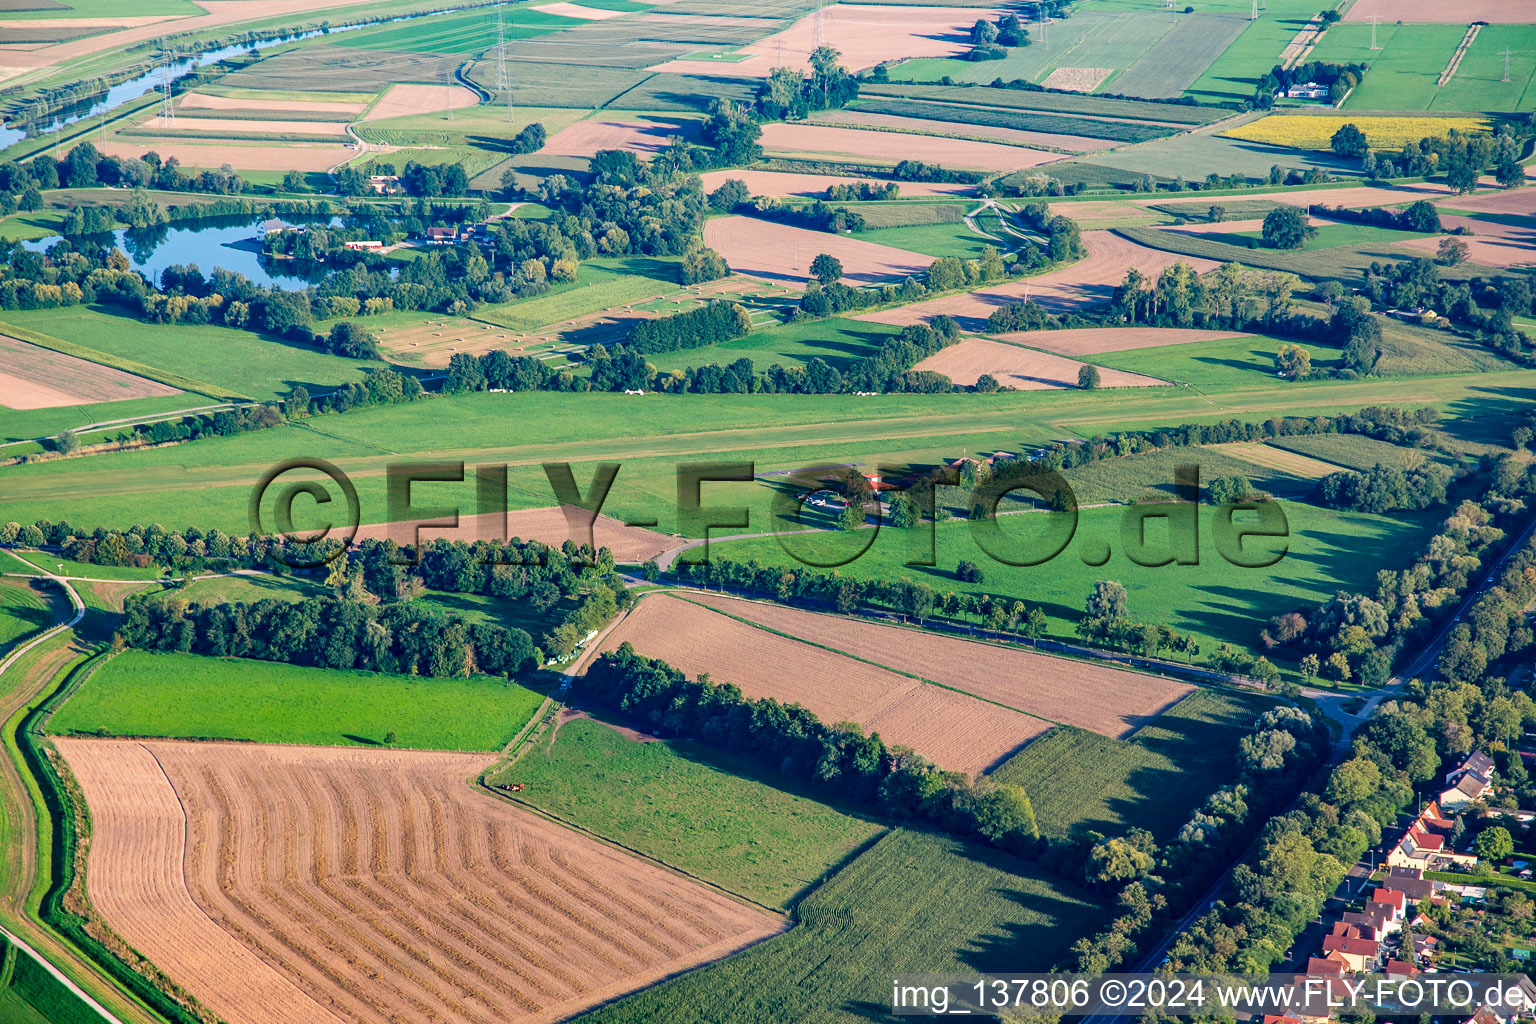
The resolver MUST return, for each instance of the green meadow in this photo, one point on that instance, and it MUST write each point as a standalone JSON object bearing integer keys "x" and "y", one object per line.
{"x": 186, "y": 696}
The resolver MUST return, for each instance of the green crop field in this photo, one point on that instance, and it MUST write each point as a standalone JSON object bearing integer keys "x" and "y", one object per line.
{"x": 1352, "y": 451}
{"x": 496, "y": 611}
{"x": 838, "y": 341}
{"x": 56, "y": 563}
{"x": 954, "y": 239}
{"x": 1345, "y": 263}
{"x": 1091, "y": 38}
{"x": 1180, "y": 57}
{"x": 1151, "y": 475}
{"x": 1405, "y": 68}
{"x": 213, "y": 590}
{"x": 97, "y": 9}
{"x": 1055, "y": 102}
{"x": 223, "y": 356}
{"x": 1025, "y": 120}
{"x": 1479, "y": 81}
{"x": 32, "y": 995}
{"x": 1232, "y": 362}
{"x": 693, "y": 807}
{"x": 466, "y": 33}
{"x": 600, "y": 284}
{"x": 1326, "y": 551}
{"x": 24, "y": 610}
{"x": 912, "y": 902}
{"x": 1236, "y": 73}
{"x": 906, "y": 213}
{"x": 1195, "y": 156}
{"x": 1079, "y": 780}
{"x": 1328, "y": 236}
{"x": 185, "y": 696}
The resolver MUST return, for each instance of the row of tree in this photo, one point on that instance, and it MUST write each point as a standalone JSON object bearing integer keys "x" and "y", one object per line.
{"x": 328, "y": 633}
{"x": 1386, "y": 488}
{"x": 709, "y": 324}
{"x": 791, "y": 740}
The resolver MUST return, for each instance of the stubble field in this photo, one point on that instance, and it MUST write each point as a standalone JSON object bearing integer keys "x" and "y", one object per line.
{"x": 291, "y": 885}
{"x": 954, "y": 730}
{"x": 1014, "y": 366}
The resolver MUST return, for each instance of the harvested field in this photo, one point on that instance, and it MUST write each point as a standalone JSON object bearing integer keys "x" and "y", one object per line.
{"x": 585, "y": 138}
{"x": 1106, "y": 700}
{"x": 1516, "y": 202}
{"x": 546, "y": 525}
{"x": 406, "y": 99}
{"x": 889, "y": 148}
{"x": 1076, "y": 79}
{"x": 784, "y": 183}
{"x": 243, "y": 156}
{"x": 1070, "y": 143}
{"x": 1087, "y": 282}
{"x": 1356, "y": 197}
{"x": 1092, "y": 341}
{"x": 1262, "y": 454}
{"x": 954, "y": 730}
{"x": 566, "y": 10}
{"x": 289, "y": 885}
{"x": 237, "y": 127}
{"x": 38, "y": 378}
{"x": 1021, "y": 368}
{"x": 781, "y": 252}
{"x": 1491, "y": 243}
{"x": 1495, "y": 12}
{"x": 865, "y": 35}
{"x": 202, "y": 101}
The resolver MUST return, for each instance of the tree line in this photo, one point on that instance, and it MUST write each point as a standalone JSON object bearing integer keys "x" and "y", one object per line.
{"x": 325, "y": 632}
{"x": 840, "y": 759}
{"x": 1385, "y": 488}
{"x": 710, "y": 324}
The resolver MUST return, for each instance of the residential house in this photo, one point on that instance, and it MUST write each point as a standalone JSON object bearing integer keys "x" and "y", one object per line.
{"x": 273, "y": 226}
{"x": 1374, "y": 923}
{"x": 1307, "y": 91}
{"x": 1400, "y": 969}
{"x": 1411, "y": 883}
{"x": 365, "y": 245}
{"x": 1467, "y": 782}
{"x": 441, "y": 236}
{"x": 1426, "y": 844}
{"x": 1353, "y": 949}
{"x": 1325, "y": 967}
{"x": 1395, "y": 902}
{"x": 384, "y": 184}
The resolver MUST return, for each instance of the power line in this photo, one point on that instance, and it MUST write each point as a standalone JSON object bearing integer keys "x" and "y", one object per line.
{"x": 1506, "y": 56}
{"x": 1375, "y": 20}
{"x": 167, "y": 107}
{"x": 503, "y": 89}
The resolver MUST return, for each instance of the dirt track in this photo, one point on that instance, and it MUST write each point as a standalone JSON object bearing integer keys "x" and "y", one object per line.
{"x": 954, "y": 730}
{"x": 1093, "y": 696}
{"x": 1021, "y": 368}
{"x": 1087, "y": 282}
{"x": 294, "y": 885}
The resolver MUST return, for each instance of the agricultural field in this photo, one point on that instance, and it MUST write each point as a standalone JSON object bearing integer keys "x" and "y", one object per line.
{"x": 1015, "y": 366}
{"x": 237, "y": 360}
{"x": 913, "y": 901}
{"x": 193, "y": 857}
{"x": 837, "y": 342}
{"x": 1235, "y": 74}
{"x": 689, "y": 806}
{"x": 954, "y": 729}
{"x": 1314, "y": 131}
{"x": 191, "y": 697}
{"x": 1351, "y": 451}
{"x": 1082, "y": 781}
{"x": 25, "y": 609}
{"x": 1326, "y": 551}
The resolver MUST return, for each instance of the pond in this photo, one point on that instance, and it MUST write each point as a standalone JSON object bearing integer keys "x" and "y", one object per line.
{"x": 228, "y": 242}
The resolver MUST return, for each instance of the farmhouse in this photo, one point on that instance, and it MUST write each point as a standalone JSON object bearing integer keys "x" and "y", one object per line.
{"x": 384, "y": 184}
{"x": 441, "y": 236}
{"x": 273, "y": 226}
{"x": 1307, "y": 91}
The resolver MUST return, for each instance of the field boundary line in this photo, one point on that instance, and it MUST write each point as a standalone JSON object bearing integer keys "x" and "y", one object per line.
{"x": 92, "y": 355}
{"x": 583, "y": 830}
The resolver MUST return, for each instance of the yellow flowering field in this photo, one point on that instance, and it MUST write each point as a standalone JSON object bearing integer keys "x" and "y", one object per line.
{"x": 1314, "y": 131}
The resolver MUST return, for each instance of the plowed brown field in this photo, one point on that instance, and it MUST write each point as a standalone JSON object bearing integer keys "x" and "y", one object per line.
{"x": 547, "y": 525}
{"x": 1087, "y": 282}
{"x": 1493, "y": 244}
{"x": 784, "y": 183}
{"x": 586, "y": 138}
{"x": 954, "y": 730}
{"x": 1495, "y": 12}
{"x": 782, "y": 252}
{"x": 294, "y": 885}
{"x": 1089, "y": 341}
{"x": 890, "y": 148}
{"x": 415, "y": 98}
{"x": 1021, "y": 368}
{"x": 38, "y": 378}
{"x": 1106, "y": 700}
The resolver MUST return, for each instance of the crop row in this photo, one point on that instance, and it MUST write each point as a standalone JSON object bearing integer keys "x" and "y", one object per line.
{"x": 1118, "y": 131}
